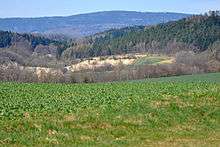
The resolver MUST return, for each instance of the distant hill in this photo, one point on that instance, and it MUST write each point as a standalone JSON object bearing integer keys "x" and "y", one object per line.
{"x": 196, "y": 33}
{"x": 86, "y": 24}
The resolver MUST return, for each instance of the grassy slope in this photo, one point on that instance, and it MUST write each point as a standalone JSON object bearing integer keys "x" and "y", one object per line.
{"x": 129, "y": 113}
{"x": 152, "y": 60}
{"x": 211, "y": 78}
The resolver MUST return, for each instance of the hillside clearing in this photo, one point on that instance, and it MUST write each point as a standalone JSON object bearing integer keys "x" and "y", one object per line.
{"x": 118, "y": 60}
{"x": 154, "y": 60}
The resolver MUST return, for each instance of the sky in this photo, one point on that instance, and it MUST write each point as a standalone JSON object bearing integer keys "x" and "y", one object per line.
{"x": 40, "y": 8}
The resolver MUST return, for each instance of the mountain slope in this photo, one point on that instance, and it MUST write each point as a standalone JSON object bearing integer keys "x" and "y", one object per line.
{"x": 86, "y": 24}
{"x": 196, "y": 33}
{"x": 19, "y": 48}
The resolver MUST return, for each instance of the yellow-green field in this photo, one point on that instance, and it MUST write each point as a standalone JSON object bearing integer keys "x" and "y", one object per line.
{"x": 154, "y": 60}
{"x": 166, "y": 112}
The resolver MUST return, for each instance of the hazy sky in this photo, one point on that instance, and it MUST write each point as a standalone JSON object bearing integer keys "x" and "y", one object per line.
{"x": 36, "y": 8}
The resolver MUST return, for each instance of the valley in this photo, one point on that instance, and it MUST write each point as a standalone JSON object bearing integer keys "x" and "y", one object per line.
{"x": 131, "y": 53}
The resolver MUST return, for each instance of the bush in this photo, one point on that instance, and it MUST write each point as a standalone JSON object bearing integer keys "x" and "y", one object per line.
{"x": 15, "y": 73}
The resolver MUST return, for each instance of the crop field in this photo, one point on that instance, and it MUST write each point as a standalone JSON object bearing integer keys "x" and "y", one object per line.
{"x": 146, "y": 113}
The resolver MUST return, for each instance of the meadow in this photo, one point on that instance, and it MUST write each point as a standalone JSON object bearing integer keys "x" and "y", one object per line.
{"x": 154, "y": 60}
{"x": 178, "y": 111}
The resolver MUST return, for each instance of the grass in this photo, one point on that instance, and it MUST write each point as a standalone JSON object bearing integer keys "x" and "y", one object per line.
{"x": 148, "y": 113}
{"x": 153, "y": 60}
{"x": 210, "y": 78}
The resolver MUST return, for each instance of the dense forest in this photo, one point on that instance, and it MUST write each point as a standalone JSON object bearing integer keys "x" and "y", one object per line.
{"x": 195, "y": 33}
{"x": 7, "y": 37}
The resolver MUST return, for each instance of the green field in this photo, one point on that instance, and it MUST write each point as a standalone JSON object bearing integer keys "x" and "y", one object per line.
{"x": 152, "y": 60}
{"x": 146, "y": 113}
{"x": 209, "y": 78}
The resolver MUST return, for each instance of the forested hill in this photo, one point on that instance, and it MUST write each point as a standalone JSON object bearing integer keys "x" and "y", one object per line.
{"x": 18, "y": 48}
{"x": 8, "y": 38}
{"x": 86, "y": 24}
{"x": 196, "y": 33}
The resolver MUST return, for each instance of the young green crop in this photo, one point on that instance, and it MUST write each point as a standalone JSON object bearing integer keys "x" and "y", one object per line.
{"x": 112, "y": 114}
